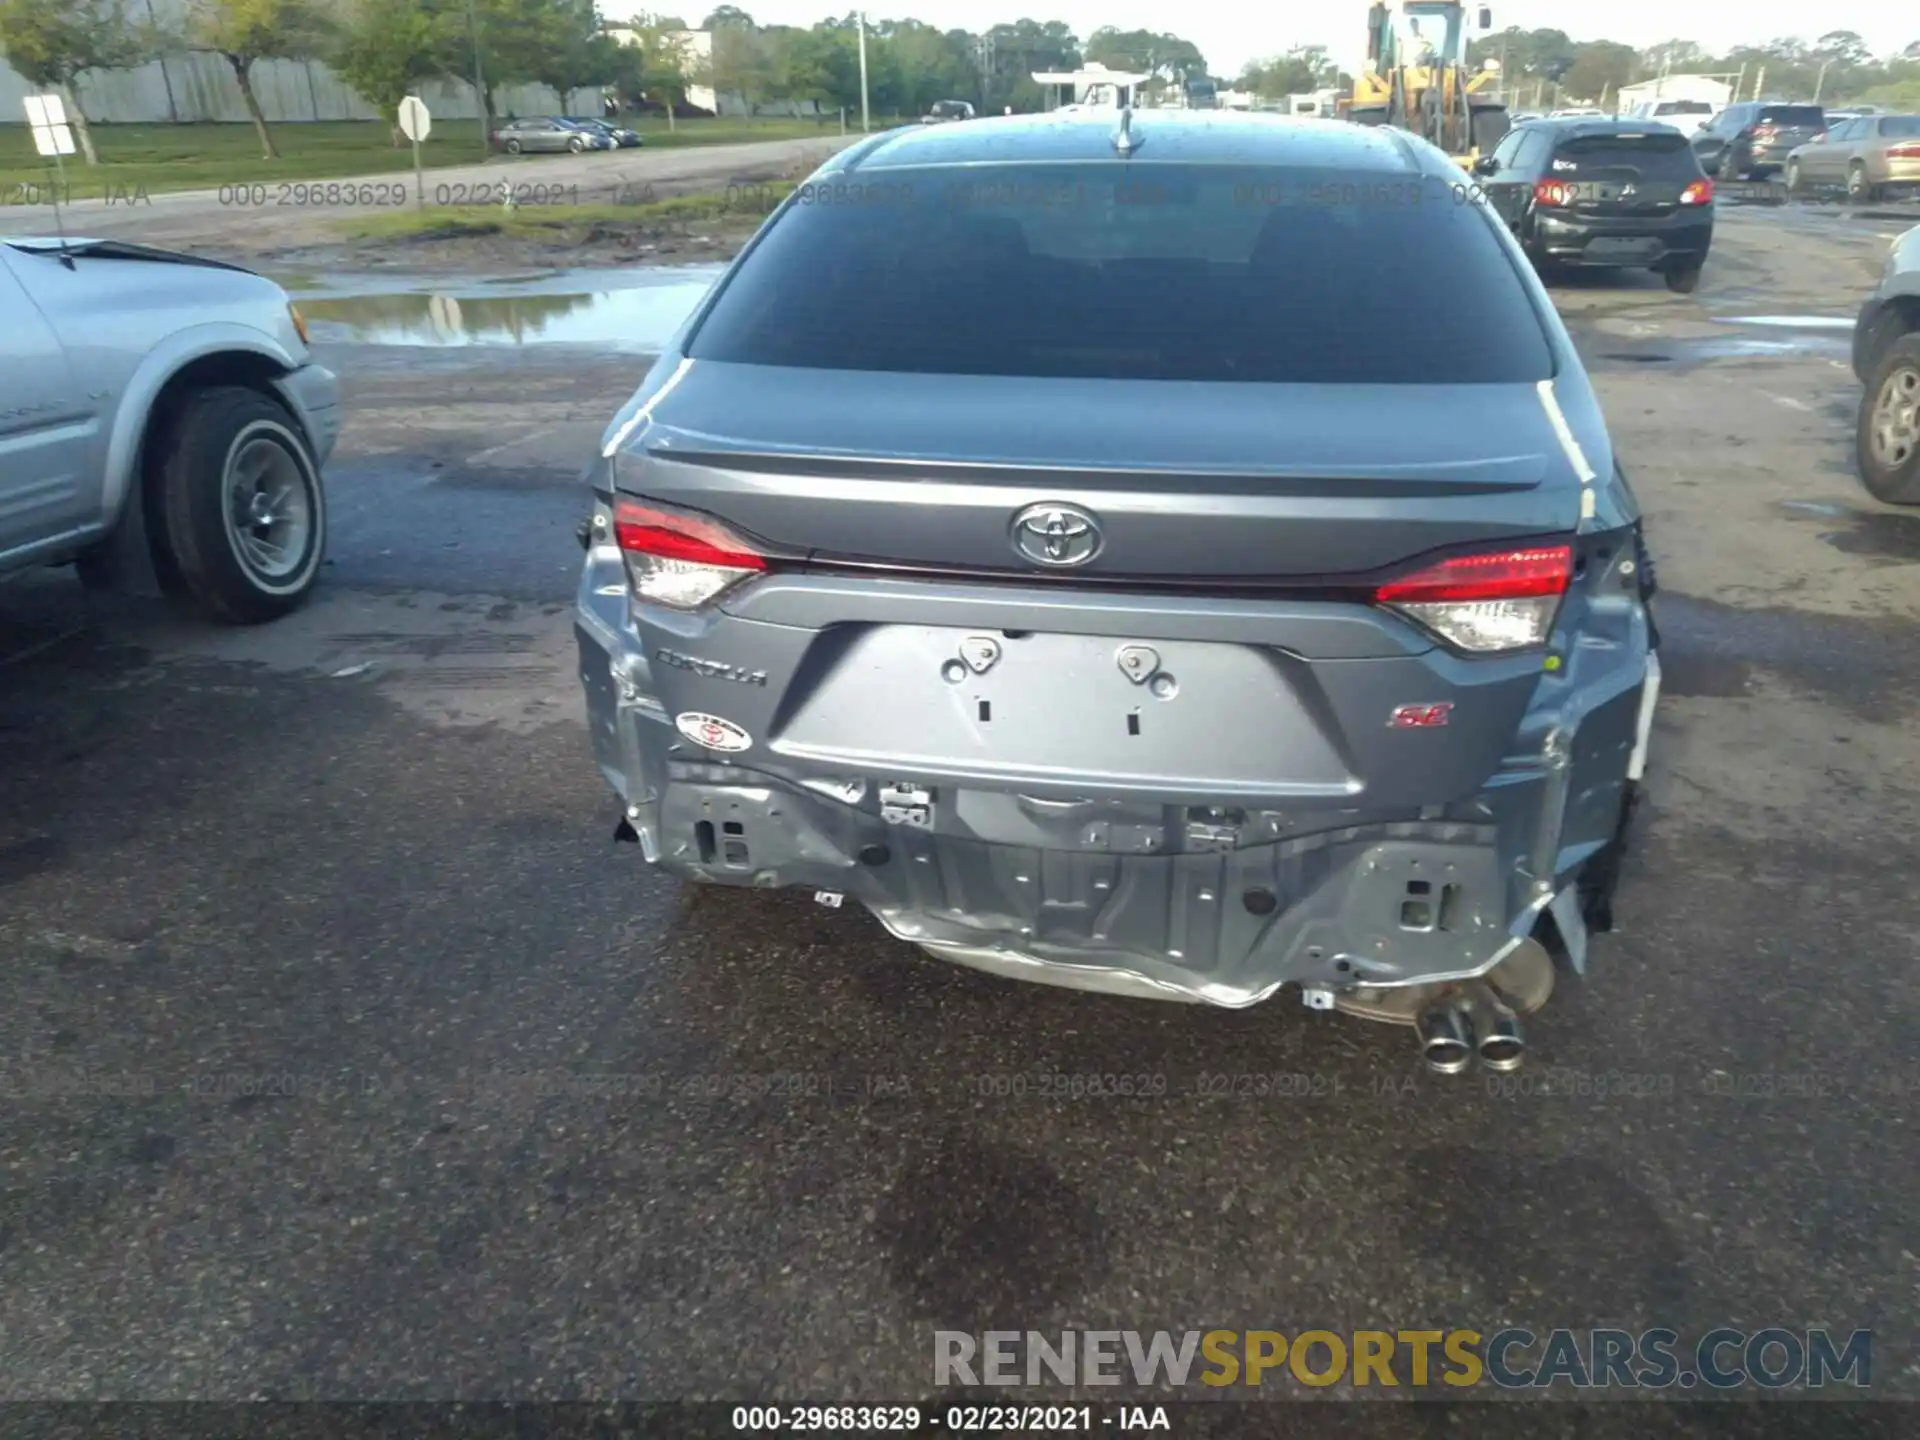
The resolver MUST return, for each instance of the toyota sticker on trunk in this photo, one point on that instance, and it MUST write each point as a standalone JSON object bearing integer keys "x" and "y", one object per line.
{"x": 712, "y": 732}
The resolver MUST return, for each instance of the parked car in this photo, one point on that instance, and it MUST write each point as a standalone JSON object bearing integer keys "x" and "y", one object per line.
{"x": 1886, "y": 358}
{"x": 623, "y": 139}
{"x": 163, "y": 424}
{"x": 1604, "y": 193}
{"x": 1870, "y": 155}
{"x": 943, "y": 112}
{"x": 1750, "y": 140}
{"x": 1290, "y": 630}
{"x": 547, "y": 135}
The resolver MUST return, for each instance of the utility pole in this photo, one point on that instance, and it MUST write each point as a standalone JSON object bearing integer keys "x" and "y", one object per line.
{"x": 173, "y": 111}
{"x": 1820, "y": 84}
{"x": 983, "y": 55}
{"x": 866, "y": 119}
{"x": 1759, "y": 82}
{"x": 479, "y": 88}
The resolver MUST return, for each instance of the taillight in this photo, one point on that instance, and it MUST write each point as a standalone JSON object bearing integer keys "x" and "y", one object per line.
{"x": 677, "y": 559}
{"x": 1903, "y": 152}
{"x": 1700, "y": 192}
{"x": 1488, "y": 603}
{"x": 1552, "y": 192}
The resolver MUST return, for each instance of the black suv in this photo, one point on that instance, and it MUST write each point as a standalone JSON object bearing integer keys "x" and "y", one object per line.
{"x": 1618, "y": 194}
{"x": 1750, "y": 140}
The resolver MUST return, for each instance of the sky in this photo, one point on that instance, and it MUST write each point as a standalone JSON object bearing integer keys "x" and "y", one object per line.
{"x": 1232, "y": 32}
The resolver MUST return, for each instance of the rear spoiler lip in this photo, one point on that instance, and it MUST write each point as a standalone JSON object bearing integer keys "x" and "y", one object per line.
{"x": 1490, "y": 475}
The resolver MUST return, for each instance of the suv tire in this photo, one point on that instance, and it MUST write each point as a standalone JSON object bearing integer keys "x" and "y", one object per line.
{"x": 1682, "y": 277}
{"x": 1887, "y": 440}
{"x": 241, "y": 507}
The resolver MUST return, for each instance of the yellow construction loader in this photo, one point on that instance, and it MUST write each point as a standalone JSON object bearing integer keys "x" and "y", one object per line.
{"x": 1417, "y": 78}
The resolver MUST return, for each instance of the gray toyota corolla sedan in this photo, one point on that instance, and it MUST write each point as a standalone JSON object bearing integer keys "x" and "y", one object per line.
{"x": 1162, "y": 554}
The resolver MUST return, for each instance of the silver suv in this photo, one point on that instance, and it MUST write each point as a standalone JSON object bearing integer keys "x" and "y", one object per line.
{"x": 162, "y": 424}
{"x": 1052, "y": 534}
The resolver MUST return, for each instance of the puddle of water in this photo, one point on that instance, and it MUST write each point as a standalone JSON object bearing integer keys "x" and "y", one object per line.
{"x": 638, "y": 315}
{"x": 1686, "y": 351}
{"x": 1790, "y": 322}
{"x": 1876, "y": 534}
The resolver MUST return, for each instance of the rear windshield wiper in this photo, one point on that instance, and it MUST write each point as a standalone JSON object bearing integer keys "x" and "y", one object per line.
{"x": 122, "y": 250}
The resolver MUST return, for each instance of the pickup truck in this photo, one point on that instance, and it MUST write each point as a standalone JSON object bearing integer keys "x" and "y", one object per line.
{"x": 162, "y": 425}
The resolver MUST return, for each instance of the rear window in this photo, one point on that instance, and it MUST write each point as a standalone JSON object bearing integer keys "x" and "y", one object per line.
{"x": 1683, "y": 107}
{"x": 1135, "y": 271}
{"x": 1809, "y": 116}
{"x": 1655, "y": 157}
{"x": 1901, "y": 127}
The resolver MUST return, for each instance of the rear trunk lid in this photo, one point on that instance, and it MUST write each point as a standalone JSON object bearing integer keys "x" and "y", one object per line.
{"x": 1189, "y": 482}
{"x": 1785, "y": 126}
{"x": 1625, "y": 174}
{"x": 907, "y": 640}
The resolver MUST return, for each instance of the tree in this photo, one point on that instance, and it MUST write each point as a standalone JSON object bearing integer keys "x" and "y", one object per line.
{"x": 386, "y": 48}
{"x": 569, "y": 50}
{"x": 821, "y": 65}
{"x": 1302, "y": 69}
{"x": 1602, "y": 68}
{"x": 52, "y": 43}
{"x": 1015, "y": 51}
{"x": 1167, "y": 59}
{"x": 1842, "y": 47}
{"x": 242, "y": 32}
{"x": 1674, "y": 57}
{"x": 739, "y": 63}
{"x": 658, "y": 59}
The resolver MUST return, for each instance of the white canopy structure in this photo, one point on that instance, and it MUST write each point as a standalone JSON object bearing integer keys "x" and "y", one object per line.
{"x": 1093, "y": 85}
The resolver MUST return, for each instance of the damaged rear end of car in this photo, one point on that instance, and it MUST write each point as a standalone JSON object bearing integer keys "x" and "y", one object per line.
{"x": 1158, "y": 648}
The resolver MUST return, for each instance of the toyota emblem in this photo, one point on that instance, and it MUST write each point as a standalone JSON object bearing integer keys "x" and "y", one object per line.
{"x": 1056, "y": 535}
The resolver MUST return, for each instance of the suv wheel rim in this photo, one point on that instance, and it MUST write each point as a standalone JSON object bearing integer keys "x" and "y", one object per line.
{"x": 1894, "y": 427}
{"x": 269, "y": 510}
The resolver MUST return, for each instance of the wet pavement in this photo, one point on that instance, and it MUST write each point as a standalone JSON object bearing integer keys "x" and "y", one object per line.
{"x": 346, "y": 1056}
{"x": 635, "y": 309}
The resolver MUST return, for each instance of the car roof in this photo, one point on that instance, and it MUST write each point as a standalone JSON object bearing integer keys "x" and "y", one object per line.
{"x": 1195, "y": 137}
{"x": 1604, "y": 125}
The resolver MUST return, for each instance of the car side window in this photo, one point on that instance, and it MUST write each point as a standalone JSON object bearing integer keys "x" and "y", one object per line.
{"x": 1509, "y": 147}
{"x": 1534, "y": 150}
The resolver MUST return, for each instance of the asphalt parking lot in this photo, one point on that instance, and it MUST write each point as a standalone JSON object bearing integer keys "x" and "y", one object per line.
{"x": 344, "y": 1055}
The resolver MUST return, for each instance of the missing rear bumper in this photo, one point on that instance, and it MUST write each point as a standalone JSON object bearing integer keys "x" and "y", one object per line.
{"x": 1099, "y": 905}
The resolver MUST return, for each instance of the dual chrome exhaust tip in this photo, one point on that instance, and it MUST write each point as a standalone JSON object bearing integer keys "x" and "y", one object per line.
{"x": 1468, "y": 1024}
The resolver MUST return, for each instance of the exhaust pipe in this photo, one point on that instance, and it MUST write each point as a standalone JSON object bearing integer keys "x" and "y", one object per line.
{"x": 1502, "y": 1046}
{"x": 1446, "y": 1036}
